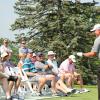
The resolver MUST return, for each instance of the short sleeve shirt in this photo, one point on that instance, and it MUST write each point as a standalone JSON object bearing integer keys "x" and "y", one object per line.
{"x": 96, "y": 46}
{"x": 23, "y": 50}
{"x": 8, "y": 67}
{"x": 54, "y": 65}
{"x": 28, "y": 66}
{"x": 66, "y": 67}
{"x": 39, "y": 66}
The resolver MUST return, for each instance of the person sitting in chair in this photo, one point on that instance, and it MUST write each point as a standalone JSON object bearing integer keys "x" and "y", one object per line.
{"x": 8, "y": 69}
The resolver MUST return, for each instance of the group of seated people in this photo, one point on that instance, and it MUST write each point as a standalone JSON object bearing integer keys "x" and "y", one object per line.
{"x": 37, "y": 68}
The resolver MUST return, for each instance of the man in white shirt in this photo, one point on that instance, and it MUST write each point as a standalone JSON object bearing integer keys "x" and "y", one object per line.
{"x": 60, "y": 85}
{"x": 52, "y": 61}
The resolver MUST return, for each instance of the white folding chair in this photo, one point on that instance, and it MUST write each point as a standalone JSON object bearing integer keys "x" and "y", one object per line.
{"x": 25, "y": 80}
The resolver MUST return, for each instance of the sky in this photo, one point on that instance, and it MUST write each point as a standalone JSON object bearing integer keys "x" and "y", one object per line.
{"x": 8, "y": 16}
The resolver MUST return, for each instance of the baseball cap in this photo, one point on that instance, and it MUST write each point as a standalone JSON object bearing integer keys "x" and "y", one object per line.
{"x": 51, "y": 53}
{"x": 34, "y": 54}
{"x": 4, "y": 54}
{"x": 96, "y": 27}
{"x": 39, "y": 54}
{"x": 30, "y": 51}
{"x": 72, "y": 57}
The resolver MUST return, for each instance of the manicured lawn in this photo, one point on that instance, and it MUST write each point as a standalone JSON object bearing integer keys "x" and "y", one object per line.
{"x": 92, "y": 95}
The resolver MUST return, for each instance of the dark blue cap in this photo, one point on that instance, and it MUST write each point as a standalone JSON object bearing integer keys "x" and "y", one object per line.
{"x": 39, "y": 54}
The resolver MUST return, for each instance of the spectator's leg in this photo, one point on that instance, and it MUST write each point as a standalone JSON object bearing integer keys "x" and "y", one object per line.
{"x": 6, "y": 87}
{"x": 17, "y": 83}
{"x": 61, "y": 86}
{"x": 69, "y": 80}
{"x": 53, "y": 82}
{"x": 41, "y": 83}
{"x": 80, "y": 81}
{"x": 11, "y": 84}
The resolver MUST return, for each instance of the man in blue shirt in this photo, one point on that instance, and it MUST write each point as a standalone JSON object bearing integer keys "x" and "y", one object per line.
{"x": 23, "y": 48}
{"x": 31, "y": 71}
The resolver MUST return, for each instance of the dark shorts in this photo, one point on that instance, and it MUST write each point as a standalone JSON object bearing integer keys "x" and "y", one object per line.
{"x": 12, "y": 78}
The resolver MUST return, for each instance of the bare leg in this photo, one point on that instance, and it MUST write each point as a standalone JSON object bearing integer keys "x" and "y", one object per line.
{"x": 68, "y": 77}
{"x": 6, "y": 87}
{"x": 53, "y": 82}
{"x": 80, "y": 81}
{"x": 17, "y": 83}
{"x": 11, "y": 84}
{"x": 61, "y": 86}
{"x": 41, "y": 84}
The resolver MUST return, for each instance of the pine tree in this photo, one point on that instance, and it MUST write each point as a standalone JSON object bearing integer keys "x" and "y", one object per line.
{"x": 58, "y": 25}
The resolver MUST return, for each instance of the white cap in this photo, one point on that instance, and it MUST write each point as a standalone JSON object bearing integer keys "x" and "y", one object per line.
{"x": 96, "y": 27}
{"x": 4, "y": 54}
{"x": 72, "y": 57}
{"x": 34, "y": 54}
{"x": 51, "y": 53}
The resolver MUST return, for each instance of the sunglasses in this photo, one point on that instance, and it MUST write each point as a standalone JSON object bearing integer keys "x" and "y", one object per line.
{"x": 23, "y": 43}
{"x": 41, "y": 55}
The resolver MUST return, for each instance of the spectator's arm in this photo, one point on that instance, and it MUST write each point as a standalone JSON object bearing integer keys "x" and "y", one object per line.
{"x": 1, "y": 67}
{"x": 46, "y": 66}
{"x": 30, "y": 73}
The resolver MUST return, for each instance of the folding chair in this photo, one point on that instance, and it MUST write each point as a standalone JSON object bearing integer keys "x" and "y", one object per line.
{"x": 25, "y": 80}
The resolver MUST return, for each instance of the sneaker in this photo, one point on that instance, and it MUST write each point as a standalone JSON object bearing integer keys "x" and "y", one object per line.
{"x": 15, "y": 97}
{"x": 69, "y": 93}
{"x": 65, "y": 94}
{"x": 84, "y": 90}
{"x": 69, "y": 89}
{"x": 54, "y": 94}
{"x": 9, "y": 99}
{"x": 73, "y": 91}
{"x": 77, "y": 91}
{"x": 38, "y": 93}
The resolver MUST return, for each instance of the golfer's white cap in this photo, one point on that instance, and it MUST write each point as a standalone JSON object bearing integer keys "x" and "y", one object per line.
{"x": 96, "y": 27}
{"x": 72, "y": 57}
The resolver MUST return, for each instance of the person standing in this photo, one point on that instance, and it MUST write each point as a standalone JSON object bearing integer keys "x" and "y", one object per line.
{"x": 5, "y": 47}
{"x": 95, "y": 51}
{"x": 23, "y": 48}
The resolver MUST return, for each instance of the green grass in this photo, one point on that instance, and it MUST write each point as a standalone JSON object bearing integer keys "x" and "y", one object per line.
{"x": 92, "y": 95}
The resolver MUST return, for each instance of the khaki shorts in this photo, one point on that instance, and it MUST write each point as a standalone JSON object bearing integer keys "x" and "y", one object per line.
{"x": 3, "y": 75}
